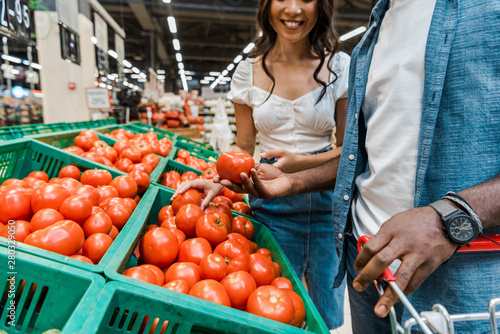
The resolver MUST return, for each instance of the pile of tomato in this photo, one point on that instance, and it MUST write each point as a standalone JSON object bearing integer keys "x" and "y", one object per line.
{"x": 76, "y": 214}
{"x": 210, "y": 255}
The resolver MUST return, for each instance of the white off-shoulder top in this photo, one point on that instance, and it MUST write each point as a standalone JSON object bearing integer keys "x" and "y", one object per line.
{"x": 300, "y": 126}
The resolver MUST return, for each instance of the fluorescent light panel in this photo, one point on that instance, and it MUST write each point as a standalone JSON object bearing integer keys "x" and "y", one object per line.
{"x": 171, "y": 24}
{"x": 178, "y": 56}
{"x": 248, "y": 48}
{"x": 237, "y": 59}
{"x": 353, "y": 33}
{"x": 177, "y": 45}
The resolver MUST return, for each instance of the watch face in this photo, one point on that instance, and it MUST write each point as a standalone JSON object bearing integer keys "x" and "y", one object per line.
{"x": 461, "y": 229}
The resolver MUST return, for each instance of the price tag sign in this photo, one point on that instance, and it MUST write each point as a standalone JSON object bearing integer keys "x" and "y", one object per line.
{"x": 97, "y": 98}
{"x": 15, "y": 19}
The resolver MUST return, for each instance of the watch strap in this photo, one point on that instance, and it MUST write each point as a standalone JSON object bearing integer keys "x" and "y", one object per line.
{"x": 460, "y": 201}
{"x": 443, "y": 208}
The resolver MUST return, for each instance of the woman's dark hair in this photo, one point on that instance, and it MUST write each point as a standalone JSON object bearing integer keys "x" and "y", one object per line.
{"x": 323, "y": 38}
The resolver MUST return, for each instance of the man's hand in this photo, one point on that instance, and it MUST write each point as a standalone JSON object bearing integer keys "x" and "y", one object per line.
{"x": 416, "y": 238}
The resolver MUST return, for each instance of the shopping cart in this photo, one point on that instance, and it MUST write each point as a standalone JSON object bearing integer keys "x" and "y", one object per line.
{"x": 438, "y": 320}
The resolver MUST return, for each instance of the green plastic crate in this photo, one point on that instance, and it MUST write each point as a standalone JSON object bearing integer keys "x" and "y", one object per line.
{"x": 200, "y": 316}
{"x": 20, "y": 157}
{"x": 197, "y": 151}
{"x": 33, "y": 129}
{"x": 59, "y": 296}
{"x": 195, "y": 143}
{"x": 7, "y": 133}
{"x": 147, "y": 127}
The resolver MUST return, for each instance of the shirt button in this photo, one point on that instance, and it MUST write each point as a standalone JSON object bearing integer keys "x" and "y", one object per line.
{"x": 346, "y": 197}
{"x": 356, "y": 115}
{"x": 351, "y": 157}
{"x": 340, "y": 236}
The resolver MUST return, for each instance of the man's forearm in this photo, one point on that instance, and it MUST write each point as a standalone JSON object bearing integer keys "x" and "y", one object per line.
{"x": 484, "y": 198}
{"x": 318, "y": 178}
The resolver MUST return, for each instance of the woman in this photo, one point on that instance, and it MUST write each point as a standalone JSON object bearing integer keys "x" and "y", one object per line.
{"x": 292, "y": 92}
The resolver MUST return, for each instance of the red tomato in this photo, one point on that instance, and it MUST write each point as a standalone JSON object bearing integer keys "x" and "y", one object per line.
{"x": 37, "y": 184}
{"x": 277, "y": 269}
{"x": 169, "y": 224}
{"x": 132, "y": 154}
{"x": 96, "y": 177}
{"x": 188, "y": 176}
{"x": 15, "y": 204}
{"x": 81, "y": 258}
{"x": 151, "y": 160}
{"x": 19, "y": 230}
{"x": 282, "y": 283}
{"x": 69, "y": 183}
{"x": 212, "y": 291}
{"x": 142, "y": 167}
{"x": 88, "y": 192}
{"x": 186, "y": 271}
{"x": 15, "y": 182}
{"x": 157, "y": 271}
{"x": 270, "y": 302}
{"x": 125, "y": 185}
{"x": 183, "y": 154}
{"x": 243, "y": 226}
{"x": 64, "y": 237}
{"x": 223, "y": 199}
{"x": 213, "y": 266}
{"x": 191, "y": 196}
{"x": 235, "y": 254}
{"x": 76, "y": 208}
{"x": 123, "y": 164}
{"x": 181, "y": 237}
{"x": 300, "y": 310}
{"x": 97, "y": 223}
{"x": 130, "y": 202}
{"x": 114, "y": 232}
{"x": 262, "y": 269}
{"x": 144, "y": 148}
{"x": 223, "y": 208}
{"x": 165, "y": 212}
{"x": 119, "y": 215}
{"x": 89, "y": 133}
{"x": 234, "y": 197}
{"x": 85, "y": 143}
{"x": 242, "y": 208}
{"x": 178, "y": 285}
{"x": 45, "y": 218}
{"x": 120, "y": 146}
{"x": 211, "y": 227}
{"x": 100, "y": 144}
{"x": 96, "y": 209}
{"x": 265, "y": 252}
{"x": 159, "y": 247}
{"x": 239, "y": 286}
{"x": 141, "y": 179}
{"x": 106, "y": 192}
{"x": 231, "y": 164}
{"x": 74, "y": 150}
{"x": 209, "y": 173}
{"x": 186, "y": 218}
{"x": 96, "y": 246}
{"x": 242, "y": 240}
{"x": 194, "y": 250}
{"x": 40, "y": 175}
{"x": 142, "y": 274}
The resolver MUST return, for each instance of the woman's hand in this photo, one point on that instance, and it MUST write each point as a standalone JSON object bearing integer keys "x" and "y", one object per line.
{"x": 288, "y": 162}
{"x": 210, "y": 189}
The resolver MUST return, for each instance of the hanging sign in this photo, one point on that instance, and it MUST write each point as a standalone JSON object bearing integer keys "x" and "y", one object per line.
{"x": 97, "y": 98}
{"x": 15, "y": 19}
{"x": 101, "y": 32}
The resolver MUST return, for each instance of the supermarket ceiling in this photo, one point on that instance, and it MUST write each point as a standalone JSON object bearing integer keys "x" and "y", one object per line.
{"x": 211, "y": 33}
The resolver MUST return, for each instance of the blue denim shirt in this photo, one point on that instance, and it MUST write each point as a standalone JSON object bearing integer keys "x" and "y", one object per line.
{"x": 459, "y": 142}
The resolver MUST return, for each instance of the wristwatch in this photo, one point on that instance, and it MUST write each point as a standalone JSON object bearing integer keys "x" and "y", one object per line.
{"x": 458, "y": 226}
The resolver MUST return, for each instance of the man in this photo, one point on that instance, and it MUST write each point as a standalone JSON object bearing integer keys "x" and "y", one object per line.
{"x": 423, "y": 120}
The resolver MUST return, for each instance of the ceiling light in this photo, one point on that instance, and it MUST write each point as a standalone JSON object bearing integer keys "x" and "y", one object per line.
{"x": 214, "y": 73}
{"x": 166, "y": 1}
{"x": 189, "y": 72}
{"x": 237, "y": 59}
{"x": 353, "y": 33}
{"x": 204, "y": 82}
{"x": 181, "y": 66}
{"x": 110, "y": 77}
{"x": 248, "y": 48}
{"x": 104, "y": 79}
{"x": 37, "y": 66}
{"x": 127, "y": 70}
{"x": 126, "y": 63}
{"x": 112, "y": 53}
{"x": 93, "y": 39}
{"x": 181, "y": 72}
{"x": 102, "y": 85}
{"x": 225, "y": 72}
{"x": 136, "y": 70}
{"x": 135, "y": 76}
{"x": 109, "y": 87}
{"x": 177, "y": 45}
{"x": 12, "y": 59}
{"x": 189, "y": 78}
{"x": 26, "y": 62}
{"x": 171, "y": 24}
{"x": 230, "y": 67}
{"x": 226, "y": 79}
{"x": 178, "y": 56}
{"x": 160, "y": 71}
{"x": 161, "y": 77}
{"x": 209, "y": 78}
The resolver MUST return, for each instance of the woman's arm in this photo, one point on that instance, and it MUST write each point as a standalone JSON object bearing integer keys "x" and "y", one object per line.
{"x": 246, "y": 133}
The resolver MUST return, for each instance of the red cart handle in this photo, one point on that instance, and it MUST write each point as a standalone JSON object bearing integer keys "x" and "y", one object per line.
{"x": 485, "y": 243}
{"x": 387, "y": 275}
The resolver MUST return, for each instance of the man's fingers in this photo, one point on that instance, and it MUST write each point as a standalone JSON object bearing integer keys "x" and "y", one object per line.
{"x": 388, "y": 299}
{"x": 369, "y": 249}
{"x": 378, "y": 263}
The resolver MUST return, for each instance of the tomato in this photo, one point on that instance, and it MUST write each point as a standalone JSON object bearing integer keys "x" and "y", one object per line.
{"x": 242, "y": 208}
{"x": 100, "y": 144}
{"x": 97, "y": 223}
{"x": 277, "y": 269}
{"x": 270, "y": 302}
{"x": 93, "y": 156}
{"x": 223, "y": 199}
{"x": 235, "y": 254}
{"x": 74, "y": 150}
{"x": 191, "y": 196}
{"x": 88, "y": 192}
{"x": 96, "y": 177}
{"x": 211, "y": 227}
{"x": 243, "y": 226}
{"x": 262, "y": 269}
{"x": 15, "y": 204}
{"x": 209, "y": 173}
{"x": 141, "y": 179}
{"x": 109, "y": 202}
{"x": 45, "y": 218}
{"x": 300, "y": 310}
{"x": 179, "y": 160}
{"x": 69, "y": 183}
{"x": 76, "y": 208}
{"x": 130, "y": 202}
{"x": 165, "y": 212}
{"x": 142, "y": 167}
{"x": 233, "y": 196}
{"x": 81, "y": 258}
{"x": 194, "y": 250}
{"x": 89, "y": 133}
{"x": 212, "y": 291}
{"x": 114, "y": 232}
{"x": 183, "y": 154}
{"x": 178, "y": 285}
{"x": 151, "y": 160}
{"x": 123, "y": 164}
{"x": 144, "y": 148}
{"x": 281, "y": 283}
{"x": 106, "y": 192}
{"x": 119, "y": 215}
{"x": 64, "y": 237}
{"x": 239, "y": 286}
{"x": 37, "y": 184}
{"x": 188, "y": 176}
{"x": 132, "y": 154}
{"x": 15, "y": 182}
{"x": 163, "y": 150}
{"x": 266, "y": 252}
{"x": 171, "y": 177}
{"x": 213, "y": 266}
{"x": 120, "y": 146}
{"x": 159, "y": 247}
{"x": 40, "y": 175}
{"x": 142, "y": 274}
{"x": 85, "y": 143}
{"x": 125, "y": 185}
{"x": 231, "y": 164}
{"x": 186, "y": 218}
{"x": 21, "y": 229}
{"x": 169, "y": 224}
{"x": 48, "y": 196}
{"x": 157, "y": 271}
{"x": 96, "y": 246}
{"x": 186, "y": 271}
{"x": 181, "y": 236}
{"x": 242, "y": 240}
